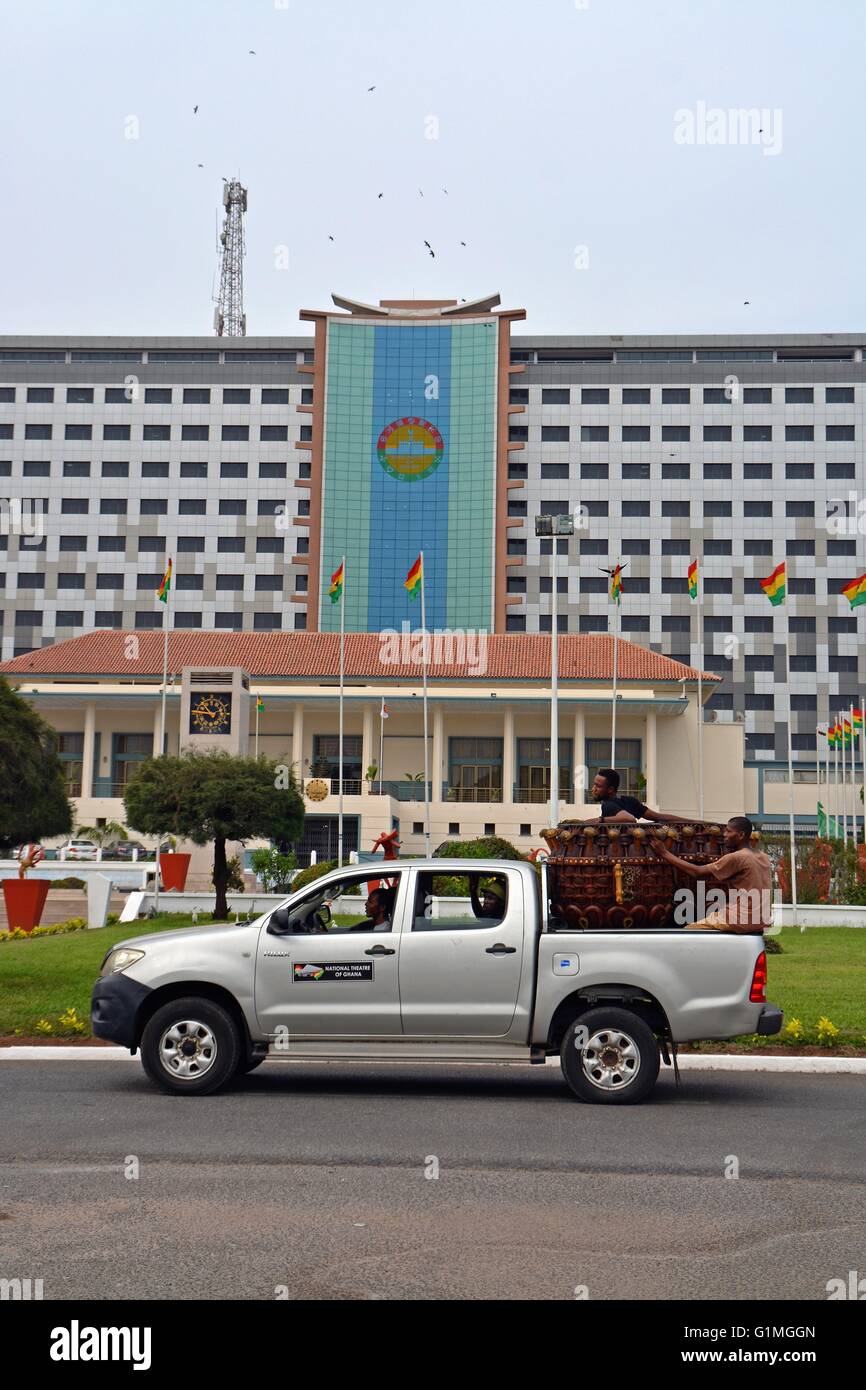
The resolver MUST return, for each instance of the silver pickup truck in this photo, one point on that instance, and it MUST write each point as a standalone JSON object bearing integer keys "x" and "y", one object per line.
{"x": 488, "y": 976}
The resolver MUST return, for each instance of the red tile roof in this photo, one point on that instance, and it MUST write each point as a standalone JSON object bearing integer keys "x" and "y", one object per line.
{"x": 297, "y": 655}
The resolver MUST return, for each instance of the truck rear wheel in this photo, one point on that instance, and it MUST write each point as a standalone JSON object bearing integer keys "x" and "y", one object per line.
{"x": 610, "y": 1057}
{"x": 190, "y": 1047}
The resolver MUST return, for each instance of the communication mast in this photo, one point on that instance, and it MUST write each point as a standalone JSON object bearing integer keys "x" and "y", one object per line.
{"x": 230, "y": 321}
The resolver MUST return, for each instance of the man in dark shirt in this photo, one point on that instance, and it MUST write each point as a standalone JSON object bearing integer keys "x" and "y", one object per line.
{"x": 614, "y": 807}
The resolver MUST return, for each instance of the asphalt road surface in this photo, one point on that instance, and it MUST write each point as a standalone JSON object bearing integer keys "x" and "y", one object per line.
{"x": 310, "y": 1181}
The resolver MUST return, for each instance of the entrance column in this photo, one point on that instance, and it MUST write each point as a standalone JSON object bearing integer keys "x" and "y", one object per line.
{"x": 368, "y": 754}
{"x": 298, "y": 744}
{"x": 508, "y": 755}
{"x": 436, "y": 777}
{"x": 651, "y": 789}
{"x": 579, "y": 770}
{"x": 88, "y": 751}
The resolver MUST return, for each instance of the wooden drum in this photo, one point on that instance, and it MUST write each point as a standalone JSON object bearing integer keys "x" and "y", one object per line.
{"x": 607, "y": 876}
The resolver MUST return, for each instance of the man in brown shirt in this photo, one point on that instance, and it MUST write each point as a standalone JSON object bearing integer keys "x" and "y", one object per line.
{"x": 745, "y": 874}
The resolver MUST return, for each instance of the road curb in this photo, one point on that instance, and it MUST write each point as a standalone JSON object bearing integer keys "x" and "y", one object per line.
{"x": 705, "y": 1061}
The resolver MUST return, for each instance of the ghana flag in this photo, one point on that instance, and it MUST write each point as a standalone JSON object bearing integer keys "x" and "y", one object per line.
{"x": 415, "y": 578}
{"x": 774, "y": 586}
{"x": 616, "y": 584}
{"x": 164, "y": 588}
{"x": 855, "y": 591}
{"x": 693, "y": 579}
{"x": 336, "y": 589}
{"x": 858, "y": 719}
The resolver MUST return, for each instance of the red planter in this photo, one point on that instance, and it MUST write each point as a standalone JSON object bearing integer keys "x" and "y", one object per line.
{"x": 173, "y": 870}
{"x": 25, "y": 900}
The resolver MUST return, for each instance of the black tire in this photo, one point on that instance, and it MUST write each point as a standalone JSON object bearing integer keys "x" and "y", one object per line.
{"x": 168, "y": 1041}
{"x": 618, "y": 1071}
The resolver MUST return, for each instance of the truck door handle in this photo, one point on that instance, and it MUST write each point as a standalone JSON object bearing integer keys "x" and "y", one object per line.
{"x": 380, "y": 951}
{"x": 500, "y": 949}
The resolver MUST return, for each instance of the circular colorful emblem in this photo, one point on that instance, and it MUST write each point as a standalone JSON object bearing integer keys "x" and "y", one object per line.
{"x": 410, "y": 448}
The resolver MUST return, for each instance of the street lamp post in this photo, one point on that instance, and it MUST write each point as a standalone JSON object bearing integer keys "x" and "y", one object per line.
{"x": 553, "y": 527}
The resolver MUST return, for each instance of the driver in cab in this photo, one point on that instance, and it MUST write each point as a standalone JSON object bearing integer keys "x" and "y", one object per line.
{"x": 379, "y": 907}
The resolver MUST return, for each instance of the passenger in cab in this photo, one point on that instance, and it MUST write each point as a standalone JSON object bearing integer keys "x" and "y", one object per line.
{"x": 489, "y": 901}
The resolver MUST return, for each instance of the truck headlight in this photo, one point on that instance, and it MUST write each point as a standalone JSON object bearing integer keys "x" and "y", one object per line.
{"x": 119, "y": 960}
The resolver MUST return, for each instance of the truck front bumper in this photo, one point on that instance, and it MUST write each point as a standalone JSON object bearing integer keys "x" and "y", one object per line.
{"x": 770, "y": 1020}
{"x": 114, "y": 1008}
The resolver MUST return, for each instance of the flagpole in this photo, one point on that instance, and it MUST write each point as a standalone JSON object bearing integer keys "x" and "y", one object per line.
{"x": 700, "y": 700}
{"x": 342, "y": 677}
{"x": 836, "y": 807}
{"x": 818, "y": 779}
{"x": 615, "y": 656}
{"x": 843, "y": 799}
{"x": 853, "y": 771}
{"x": 862, "y": 762}
{"x": 162, "y": 723}
{"x": 424, "y": 668}
{"x": 381, "y": 740}
{"x": 790, "y": 765}
{"x": 554, "y": 690}
{"x": 257, "y": 727}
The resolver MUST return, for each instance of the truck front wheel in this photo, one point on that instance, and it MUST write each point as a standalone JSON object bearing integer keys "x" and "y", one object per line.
{"x": 610, "y": 1057}
{"x": 190, "y": 1047}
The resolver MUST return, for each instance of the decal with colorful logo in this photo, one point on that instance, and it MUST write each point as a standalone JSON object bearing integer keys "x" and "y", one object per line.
{"x": 410, "y": 448}
{"x": 334, "y": 970}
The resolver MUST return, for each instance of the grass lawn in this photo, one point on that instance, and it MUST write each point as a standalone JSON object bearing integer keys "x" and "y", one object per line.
{"x": 822, "y": 971}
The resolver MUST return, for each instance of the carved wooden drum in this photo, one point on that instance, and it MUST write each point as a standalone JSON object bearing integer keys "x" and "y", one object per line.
{"x": 607, "y": 876}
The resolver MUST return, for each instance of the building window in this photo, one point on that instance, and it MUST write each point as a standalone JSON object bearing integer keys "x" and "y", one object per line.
{"x": 236, "y": 395}
{"x": 758, "y": 547}
{"x": 757, "y": 434}
{"x": 838, "y": 433}
{"x": 754, "y": 471}
{"x": 592, "y": 395}
{"x": 799, "y": 434}
{"x": 839, "y": 395}
{"x": 151, "y": 544}
{"x": 199, "y": 433}
{"x": 515, "y": 622}
{"x": 113, "y": 468}
{"x": 146, "y": 618}
{"x": 475, "y": 769}
{"x": 76, "y": 468}
{"x": 230, "y": 621}
{"x": 191, "y": 506}
{"x": 533, "y": 769}
{"x": 153, "y": 506}
{"x": 79, "y": 395}
{"x": 269, "y": 622}
{"x": 271, "y": 583}
{"x": 230, "y": 581}
{"x": 270, "y": 545}
{"x": 591, "y": 622}
{"x": 306, "y": 434}
{"x": 713, "y": 546}
{"x": 717, "y": 586}
{"x": 272, "y": 434}
{"x": 717, "y": 434}
{"x": 154, "y": 470}
{"x": 157, "y": 432}
{"x": 635, "y": 508}
{"x": 716, "y": 395}
{"x": 717, "y": 471}
{"x": 273, "y": 470}
{"x": 238, "y": 434}
{"x": 36, "y": 468}
{"x": 117, "y": 395}
{"x": 517, "y": 509}
{"x": 231, "y": 545}
{"x": 594, "y": 470}
{"x": 157, "y": 395}
{"x": 518, "y": 434}
{"x": 589, "y": 434}
{"x": 234, "y": 506}
{"x": 74, "y": 506}
{"x": 188, "y": 582}
{"x": 115, "y": 544}
{"x": 557, "y": 395}
{"x": 113, "y": 506}
{"x": 676, "y": 395}
{"x": 196, "y": 395}
{"x": 233, "y": 470}
{"x": 675, "y": 470}
{"x": 635, "y": 395}
{"x": 516, "y": 584}
{"x": 106, "y": 618}
{"x": 676, "y": 434}
{"x": 545, "y": 622}
{"x": 306, "y": 395}
{"x": 73, "y": 543}
{"x": 113, "y": 581}
{"x": 840, "y": 470}
{"x": 275, "y": 395}
{"x": 37, "y": 431}
{"x": 115, "y": 432}
{"x": 187, "y": 619}
{"x": 554, "y": 470}
{"x": 40, "y": 395}
{"x": 517, "y": 471}
{"x": 193, "y": 470}
{"x": 300, "y": 622}
{"x": 757, "y": 395}
{"x": 635, "y": 434}
{"x": 799, "y": 395}
{"x": 69, "y": 580}
{"x": 799, "y": 470}
{"x": 193, "y": 545}
{"x": 518, "y": 395}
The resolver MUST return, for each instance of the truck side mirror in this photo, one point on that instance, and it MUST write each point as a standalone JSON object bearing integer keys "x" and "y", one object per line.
{"x": 279, "y": 922}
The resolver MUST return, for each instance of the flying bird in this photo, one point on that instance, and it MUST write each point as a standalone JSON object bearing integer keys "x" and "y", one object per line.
{"x": 463, "y": 243}
{"x": 745, "y": 302}
{"x": 371, "y": 89}
{"x": 444, "y": 190}
{"x": 427, "y": 244}
{"x": 330, "y": 238}
{"x": 381, "y": 195}
{"x": 432, "y": 253}
{"x": 194, "y": 110}
{"x": 252, "y": 53}
{"x": 199, "y": 166}
{"x": 421, "y": 191}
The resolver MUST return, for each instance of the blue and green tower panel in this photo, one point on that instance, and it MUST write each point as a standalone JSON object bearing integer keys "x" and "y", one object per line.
{"x": 409, "y": 464}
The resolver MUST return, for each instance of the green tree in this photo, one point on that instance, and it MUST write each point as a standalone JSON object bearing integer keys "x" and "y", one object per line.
{"x": 33, "y": 791}
{"x": 215, "y": 796}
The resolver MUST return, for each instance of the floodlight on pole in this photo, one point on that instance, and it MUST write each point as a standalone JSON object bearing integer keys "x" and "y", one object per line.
{"x": 553, "y": 527}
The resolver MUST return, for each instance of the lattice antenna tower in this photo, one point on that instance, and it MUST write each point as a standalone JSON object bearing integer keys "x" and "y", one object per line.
{"x": 230, "y": 321}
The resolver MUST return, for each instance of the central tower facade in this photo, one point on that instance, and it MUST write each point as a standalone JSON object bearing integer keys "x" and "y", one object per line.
{"x": 408, "y": 454}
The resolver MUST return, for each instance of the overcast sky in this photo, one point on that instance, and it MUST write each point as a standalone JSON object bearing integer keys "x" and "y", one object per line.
{"x": 582, "y": 191}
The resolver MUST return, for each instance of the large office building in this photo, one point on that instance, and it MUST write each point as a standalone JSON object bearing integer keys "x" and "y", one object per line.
{"x": 257, "y": 463}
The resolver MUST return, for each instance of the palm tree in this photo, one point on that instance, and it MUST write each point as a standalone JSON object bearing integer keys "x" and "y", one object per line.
{"x": 102, "y": 835}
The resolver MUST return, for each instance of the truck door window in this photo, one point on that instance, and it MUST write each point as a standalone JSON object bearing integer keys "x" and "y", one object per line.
{"x": 465, "y": 902}
{"x": 342, "y": 906}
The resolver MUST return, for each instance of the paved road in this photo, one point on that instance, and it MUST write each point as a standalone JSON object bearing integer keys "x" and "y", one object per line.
{"x": 311, "y": 1177}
